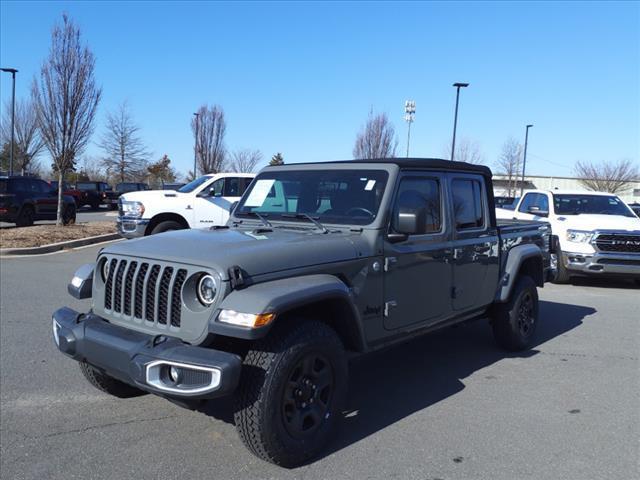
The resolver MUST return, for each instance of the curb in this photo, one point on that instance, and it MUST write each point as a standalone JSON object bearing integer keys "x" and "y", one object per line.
{"x": 54, "y": 247}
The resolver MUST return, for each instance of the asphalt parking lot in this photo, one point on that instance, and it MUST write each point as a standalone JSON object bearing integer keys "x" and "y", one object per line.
{"x": 84, "y": 215}
{"x": 446, "y": 406}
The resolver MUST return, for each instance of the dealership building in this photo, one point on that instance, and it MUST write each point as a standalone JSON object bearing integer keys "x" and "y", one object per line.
{"x": 539, "y": 182}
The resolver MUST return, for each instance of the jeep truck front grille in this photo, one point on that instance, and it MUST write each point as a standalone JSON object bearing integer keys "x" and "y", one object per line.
{"x": 145, "y": 291}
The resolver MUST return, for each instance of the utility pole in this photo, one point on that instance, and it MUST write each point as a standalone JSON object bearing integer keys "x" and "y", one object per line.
{"x": 195, "y": 148}
{"x": 455, "y": 118}
{"x": 409, "y": 114}
{"x": 13, "y": 72}
{"x": 524, "y": 160}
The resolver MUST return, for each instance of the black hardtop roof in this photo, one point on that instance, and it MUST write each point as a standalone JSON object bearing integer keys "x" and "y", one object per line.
{"x": 415, "y": 163}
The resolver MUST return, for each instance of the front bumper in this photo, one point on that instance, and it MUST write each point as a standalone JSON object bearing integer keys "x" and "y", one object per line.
{"x": 131, "y": 227}
{"x": 138, "y": 359}
{"x": 602, "y": 263}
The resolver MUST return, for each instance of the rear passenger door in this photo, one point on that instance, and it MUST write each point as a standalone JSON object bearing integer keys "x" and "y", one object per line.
{"x": 475, "y": 243}
{"x": 46, "y": 200}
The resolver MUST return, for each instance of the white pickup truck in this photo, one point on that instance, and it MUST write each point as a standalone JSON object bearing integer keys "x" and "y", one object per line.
{"x": 202, "y": 203}
{"x": 597, "y": 233}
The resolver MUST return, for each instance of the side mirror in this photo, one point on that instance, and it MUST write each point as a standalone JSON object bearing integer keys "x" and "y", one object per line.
{"x": 407, "y": 222}
{"x": 536, "y": 211}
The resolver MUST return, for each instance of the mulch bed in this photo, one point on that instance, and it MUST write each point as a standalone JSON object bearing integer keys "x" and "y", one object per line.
{"x": 38, "y": 235}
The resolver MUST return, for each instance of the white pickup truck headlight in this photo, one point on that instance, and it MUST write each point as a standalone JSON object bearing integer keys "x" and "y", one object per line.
{"x": 579, "y": 236}
{"x": 132, "y": 209}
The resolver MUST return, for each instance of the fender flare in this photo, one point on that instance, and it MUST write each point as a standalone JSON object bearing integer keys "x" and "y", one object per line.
{"x": 515, "y": 258}
{"x": 282, "y": 296}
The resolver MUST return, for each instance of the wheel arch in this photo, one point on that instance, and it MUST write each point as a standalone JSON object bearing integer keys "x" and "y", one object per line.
{"x": 522, "y": 260}
{"x": 318, "y": 297}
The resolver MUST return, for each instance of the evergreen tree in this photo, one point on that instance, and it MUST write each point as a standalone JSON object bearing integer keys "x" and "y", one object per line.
{"x": 277, "y": 159}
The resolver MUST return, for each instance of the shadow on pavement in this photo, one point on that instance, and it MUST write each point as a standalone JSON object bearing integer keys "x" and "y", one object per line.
{"x": 389, "y": 385}
{"x": 605, "y": 282}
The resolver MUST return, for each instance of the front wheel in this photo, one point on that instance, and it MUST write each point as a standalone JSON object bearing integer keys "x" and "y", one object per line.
{"x": 291, "y": 392}
{"x": 166, "y": 226}
{"x": 514, "y": 323}
{"x": 108, "y": 384}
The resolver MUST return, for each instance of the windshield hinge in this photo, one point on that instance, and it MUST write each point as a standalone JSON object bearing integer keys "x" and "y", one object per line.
{"x": 235, "y": 277}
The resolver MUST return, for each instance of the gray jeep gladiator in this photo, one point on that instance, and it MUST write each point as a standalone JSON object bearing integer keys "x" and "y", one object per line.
{"x": 318, "y": 262}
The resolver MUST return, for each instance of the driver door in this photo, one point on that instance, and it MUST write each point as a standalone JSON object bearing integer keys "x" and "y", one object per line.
{"x": 417, "y": 269}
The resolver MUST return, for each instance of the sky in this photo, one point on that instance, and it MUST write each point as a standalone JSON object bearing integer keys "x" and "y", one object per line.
{"x": 301, "y": 78}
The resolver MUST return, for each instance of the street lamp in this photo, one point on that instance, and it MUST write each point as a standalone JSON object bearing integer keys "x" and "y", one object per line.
{"x": 524, "y": 161}
{"x": 195, "y": 148}
{"x": 409, "y": 114}
{"x": 13, "y": 72}
{"x": 455, "y": 118}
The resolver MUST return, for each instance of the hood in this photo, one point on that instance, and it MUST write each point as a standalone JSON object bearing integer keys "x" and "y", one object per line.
{"x": 597, "y": 222}
{"x": 254, "y": 251}
{"x": 150, "y": 195}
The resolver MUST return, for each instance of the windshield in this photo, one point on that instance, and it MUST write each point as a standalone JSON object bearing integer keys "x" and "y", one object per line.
{"x": 191, "y": 186}
{"x": 350, "y": 197}
{"x": 590, "y": 204}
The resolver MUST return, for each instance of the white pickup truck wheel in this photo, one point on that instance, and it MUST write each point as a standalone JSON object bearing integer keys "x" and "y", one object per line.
{"x": 167, "y": 226}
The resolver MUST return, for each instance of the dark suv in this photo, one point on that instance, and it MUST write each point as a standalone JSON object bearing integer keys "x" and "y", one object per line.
{"x": 126, "y": 187}
{"x": 24, "y": 200}
{"x": 95, "y": 194}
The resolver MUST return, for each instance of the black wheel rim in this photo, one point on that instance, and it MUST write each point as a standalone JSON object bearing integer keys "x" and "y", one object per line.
{"x": 307, "y": 395}
{"x": 526, "y": 314}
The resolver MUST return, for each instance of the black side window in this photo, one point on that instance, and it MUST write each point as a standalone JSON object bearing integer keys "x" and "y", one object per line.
{"x": 19, "y": 185}
{"x": 215, "y": 189}
{"x": 232, "y": 187}
{"x": 42, "y": 187}
{"x": 467, "y": 204}
{"x": 538, "y": 200}
{"x": 422, "y": 195}
{"x": 527, "y": 202}
{"x": 245, "y": 184}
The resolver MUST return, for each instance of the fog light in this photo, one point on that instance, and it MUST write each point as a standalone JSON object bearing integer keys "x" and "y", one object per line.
{"x": 174, "y": 374}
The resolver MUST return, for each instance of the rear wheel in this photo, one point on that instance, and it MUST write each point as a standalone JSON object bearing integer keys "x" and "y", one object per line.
{"x": 95, "y": 205}
{"x": 291, "y": 392}
{"x": 25, "y": 217}
{"x": 514, "y": 323}
{"x": 108, "y": 384}
{"x": 167, "y": 226}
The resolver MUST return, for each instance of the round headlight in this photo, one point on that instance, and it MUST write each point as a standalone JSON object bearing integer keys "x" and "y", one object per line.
{"x": 105, "y": 270}
{"x": 207, "y": 289}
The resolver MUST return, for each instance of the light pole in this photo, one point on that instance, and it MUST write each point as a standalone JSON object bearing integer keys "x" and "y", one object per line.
{"x": 409, "y": 114}
{"x": 524, "y": 160}
{"x": 13, "y": 72}
{"x": 195, "y": 148}
{"x": 455, "y": 118}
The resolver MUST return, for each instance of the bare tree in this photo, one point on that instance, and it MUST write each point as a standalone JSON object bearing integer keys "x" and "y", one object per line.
{"x": 611, "y": 177}
{"x": 510, "y": 164}
{"x": 467, "y": 150}
{"x": 66, "y": 99}
{"x": 245, "y": 161}
{"x": 377, "y": 139}
{"x": 210, "y": 127}
{"x": 29, "y": 143}
{"x": 125, "y": 153}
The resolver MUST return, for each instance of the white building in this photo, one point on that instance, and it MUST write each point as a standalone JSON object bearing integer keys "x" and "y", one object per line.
{"x": 501, "y": 186}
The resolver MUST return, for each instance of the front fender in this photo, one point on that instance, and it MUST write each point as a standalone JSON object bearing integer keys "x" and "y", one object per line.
{"x": 282, "y": 296}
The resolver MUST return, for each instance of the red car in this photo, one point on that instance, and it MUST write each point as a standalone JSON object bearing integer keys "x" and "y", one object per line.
{"x": 70, "y": 190}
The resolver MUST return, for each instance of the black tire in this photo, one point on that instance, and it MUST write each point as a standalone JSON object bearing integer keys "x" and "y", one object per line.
{"x": 113, "y": 207}
{"x": 514, "y": 323}
{"x": 25, "y": 217}
{"x": 167, "y": 226}
{"x": 107, "y": 384}
{"x": 69, "y": 215}
{"x": 562, "y": 275}
{"x": 291, "y": 392}
{"x": 95, "y": 206}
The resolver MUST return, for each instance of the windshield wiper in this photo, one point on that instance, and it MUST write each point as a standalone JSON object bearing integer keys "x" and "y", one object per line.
{"x": 307, "y": 217}
{"x": 264, "y": 221}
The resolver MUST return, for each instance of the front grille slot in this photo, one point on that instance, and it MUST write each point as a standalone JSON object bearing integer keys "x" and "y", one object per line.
{"x": 127, "y": 287}
{"x": 151, "y": 293}
{"x": 142, "y": 273}
{"x": 176, "y": 297}
{"x": 620, "y": 243}
{"x": 117, "y": 287}
{"x": 165, "y": 280}
{"x": 108, "y": 289}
